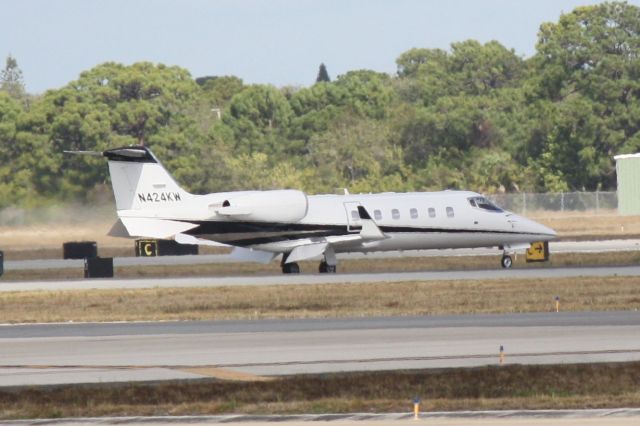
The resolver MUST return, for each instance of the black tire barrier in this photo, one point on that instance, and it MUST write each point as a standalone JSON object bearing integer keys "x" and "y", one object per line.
{"x": 79, "y": 250}
{"x": 149, "y": 248}
{"x": 98, "y": 267}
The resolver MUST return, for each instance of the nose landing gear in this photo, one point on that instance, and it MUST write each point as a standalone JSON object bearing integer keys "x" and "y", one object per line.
{"x": 506, "y": 261}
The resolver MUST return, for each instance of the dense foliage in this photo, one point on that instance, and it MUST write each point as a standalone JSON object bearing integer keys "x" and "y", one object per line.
{"x": 477, "y": 116}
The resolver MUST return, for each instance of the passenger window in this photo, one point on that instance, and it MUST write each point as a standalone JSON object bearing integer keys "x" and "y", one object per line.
{"x": 413, "y": 213}
{"x": 377, "y": 214}
{"x": 395, "y": 213}
{"x": 449, "y": 211}
{"x": 432, "y": 212}
{"x": 355, "y": 215}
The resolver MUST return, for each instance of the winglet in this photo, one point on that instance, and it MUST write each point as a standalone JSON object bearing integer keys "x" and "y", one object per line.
{"x": 364, "y": 214}
{"x": 370, "y": 230}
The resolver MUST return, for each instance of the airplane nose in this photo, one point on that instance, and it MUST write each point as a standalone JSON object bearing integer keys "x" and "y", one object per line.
{"x": 529, "y": 226}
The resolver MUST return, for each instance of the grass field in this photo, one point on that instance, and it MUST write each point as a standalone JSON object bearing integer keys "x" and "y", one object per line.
{"x": 485, "y": 388}
{"x": 323, "y": 301}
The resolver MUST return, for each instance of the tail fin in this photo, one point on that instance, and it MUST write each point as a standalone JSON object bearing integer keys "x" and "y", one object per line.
{"x": 140, "y": 182}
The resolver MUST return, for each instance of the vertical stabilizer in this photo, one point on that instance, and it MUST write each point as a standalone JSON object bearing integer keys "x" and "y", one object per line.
{"x": 140, "y": 182}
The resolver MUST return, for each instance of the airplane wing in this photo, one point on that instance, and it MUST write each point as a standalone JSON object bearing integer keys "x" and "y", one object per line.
{"x": 370, "y": 232}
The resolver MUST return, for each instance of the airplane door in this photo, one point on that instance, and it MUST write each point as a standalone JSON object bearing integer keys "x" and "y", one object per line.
{"x": 354, "y": 223}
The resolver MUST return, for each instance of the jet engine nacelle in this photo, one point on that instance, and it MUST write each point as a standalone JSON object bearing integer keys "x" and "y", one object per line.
{"x": 285, "y": 205}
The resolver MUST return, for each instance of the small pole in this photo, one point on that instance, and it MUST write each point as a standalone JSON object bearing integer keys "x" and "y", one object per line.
{"x": 416, "y": 408}
{"x": 557, "y": 303}
{"x": 501, "y": 354}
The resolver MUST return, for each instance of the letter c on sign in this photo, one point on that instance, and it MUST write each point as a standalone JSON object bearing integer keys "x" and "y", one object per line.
{"x": 147, "y": 249}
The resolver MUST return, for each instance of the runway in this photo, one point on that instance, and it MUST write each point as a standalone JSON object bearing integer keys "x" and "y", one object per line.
{"x": 616, "y": 416}
{"x": 554, "y": 247}
{"x": 300, "y": 279}
{"x": 87, "y": 353}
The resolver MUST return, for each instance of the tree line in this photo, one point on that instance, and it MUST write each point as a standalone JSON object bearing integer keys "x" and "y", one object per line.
{"x": 475, "y": 116}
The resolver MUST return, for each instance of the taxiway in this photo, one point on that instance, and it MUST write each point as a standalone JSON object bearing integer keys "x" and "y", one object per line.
{"x": 89, "y": 353}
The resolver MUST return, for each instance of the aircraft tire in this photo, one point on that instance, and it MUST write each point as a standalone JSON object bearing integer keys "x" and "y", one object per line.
{"x": 506, "y": 262}
{"x": 290, "y": 268}
{"x": 325, "y": 268}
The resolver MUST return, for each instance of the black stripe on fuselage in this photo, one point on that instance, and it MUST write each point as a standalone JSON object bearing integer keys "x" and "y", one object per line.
{"x": 258, "y": 232}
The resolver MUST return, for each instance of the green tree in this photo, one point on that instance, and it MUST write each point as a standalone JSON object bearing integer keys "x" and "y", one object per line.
{"x": 323, "y": 75}
{"x": 11, "y": 80}
{"x": 356, "y": 153}
{"x": 256, "y": 116}
{"x": 589, "y": 65}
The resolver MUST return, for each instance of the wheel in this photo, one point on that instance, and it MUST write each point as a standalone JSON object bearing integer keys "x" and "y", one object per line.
{"x": 506, "y": 261}
{"x": 325, "y": 268}
{"x": 290, "y": 268}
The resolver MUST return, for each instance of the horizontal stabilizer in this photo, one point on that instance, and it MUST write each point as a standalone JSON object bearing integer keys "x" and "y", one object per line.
{"x": 308, "y": 251}
{"x": 154, "y": 228}
{"x": 91, "y": 153}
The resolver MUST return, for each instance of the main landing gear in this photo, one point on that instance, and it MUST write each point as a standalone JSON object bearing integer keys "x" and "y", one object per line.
{"x": 507, "y": 261}
{"x": 329, "y": 263}
{"x": 289, "y": 268}
{"x": 325, "y": 268}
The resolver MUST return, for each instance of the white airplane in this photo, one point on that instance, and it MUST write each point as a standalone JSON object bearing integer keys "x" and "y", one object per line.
{"x": 264, "y": 224}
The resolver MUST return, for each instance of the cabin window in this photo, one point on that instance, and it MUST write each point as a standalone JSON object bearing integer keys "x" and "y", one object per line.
{"x": 432, "y": 212}
{"x": 413, "y": 213}
{"x": 377, "y": 214}
{"x": 395, "y": 213}
{"x": 355, "y": 215}
{"x": 484, "y": 204}
{"x": 450, "y": 212}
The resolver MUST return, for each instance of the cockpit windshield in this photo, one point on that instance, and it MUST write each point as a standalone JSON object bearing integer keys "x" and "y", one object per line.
{"x": 484, "y": 204}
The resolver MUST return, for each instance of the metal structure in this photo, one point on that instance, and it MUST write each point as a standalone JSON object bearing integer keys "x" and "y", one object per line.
{"x": 628, "y": 172}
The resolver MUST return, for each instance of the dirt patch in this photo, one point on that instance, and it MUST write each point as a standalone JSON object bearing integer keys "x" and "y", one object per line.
{"x": 228, "y": 375}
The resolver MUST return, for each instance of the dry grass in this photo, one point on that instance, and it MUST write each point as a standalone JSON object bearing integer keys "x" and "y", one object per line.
{"x": 323, "y": 301}
{"x": 507, "y": 387}
{"x": 404, "y": 264}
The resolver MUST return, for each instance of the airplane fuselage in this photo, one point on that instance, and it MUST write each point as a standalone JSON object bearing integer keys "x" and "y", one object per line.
{"x": 411, "y": 221}
{"x": 151, "y": 204}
